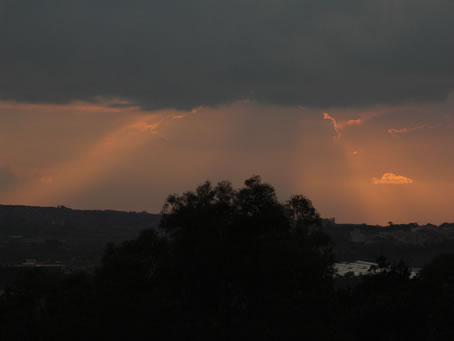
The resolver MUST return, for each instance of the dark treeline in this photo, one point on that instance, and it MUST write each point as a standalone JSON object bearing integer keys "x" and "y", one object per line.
{"x": 230, "y": 264}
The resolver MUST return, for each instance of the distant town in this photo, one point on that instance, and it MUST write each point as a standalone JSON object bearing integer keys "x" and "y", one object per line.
{"x": 65, "y": 238}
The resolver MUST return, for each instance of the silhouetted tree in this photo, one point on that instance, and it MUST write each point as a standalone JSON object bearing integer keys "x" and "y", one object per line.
{"x": 226, "y": 264}
{"x": 230, "y": 264}
{"x": 245, "y": 262}
{"x": 437, "y": 297}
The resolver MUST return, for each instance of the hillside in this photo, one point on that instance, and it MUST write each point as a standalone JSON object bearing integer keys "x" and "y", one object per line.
{"x": 60, "y": 235}
{"x": 64, "y": 235}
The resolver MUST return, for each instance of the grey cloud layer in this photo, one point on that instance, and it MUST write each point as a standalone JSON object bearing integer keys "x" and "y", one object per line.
{"x": 186, "y": 53}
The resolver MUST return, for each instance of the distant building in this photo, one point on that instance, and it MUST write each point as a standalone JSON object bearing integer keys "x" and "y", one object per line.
{"x": 357, "y": 268}
{"x": 361, "y": 268}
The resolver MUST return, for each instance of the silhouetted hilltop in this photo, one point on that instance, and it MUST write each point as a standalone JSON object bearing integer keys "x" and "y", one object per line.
{"x": 34, "y": 221}
{"x": 51, "y": 234}
{"x": 78, "y": 237}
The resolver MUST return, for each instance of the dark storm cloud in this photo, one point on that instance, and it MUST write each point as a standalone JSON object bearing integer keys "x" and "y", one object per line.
{"x": 186, "y": 53}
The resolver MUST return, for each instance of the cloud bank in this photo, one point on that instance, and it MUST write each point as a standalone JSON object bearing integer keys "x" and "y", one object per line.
{"x": 397, "y": 132}
{"x": 188, "y": 53}
{"x": 403, "y": 131}
{"x": 392, "y": 179}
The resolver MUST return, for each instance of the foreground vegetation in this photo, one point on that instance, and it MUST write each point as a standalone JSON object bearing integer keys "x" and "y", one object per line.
{"x": 230, "y": 264}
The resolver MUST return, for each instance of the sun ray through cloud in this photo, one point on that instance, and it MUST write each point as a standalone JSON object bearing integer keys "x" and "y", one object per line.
{"x": 95, "y": 162}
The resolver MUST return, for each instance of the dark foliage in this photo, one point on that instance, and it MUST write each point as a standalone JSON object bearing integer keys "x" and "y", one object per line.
{"x": 230, "y": 264}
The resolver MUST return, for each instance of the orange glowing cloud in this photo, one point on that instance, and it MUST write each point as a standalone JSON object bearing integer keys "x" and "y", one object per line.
{"x": 145, "y": 126}
{"x": 335, "y": 126}
{"x": 340, "y": 126}
{"x": 392, "y": 179}
{"x": 398, "y": 132}
{"x": 366, "y": 116}
{"x": 196, "y": 109}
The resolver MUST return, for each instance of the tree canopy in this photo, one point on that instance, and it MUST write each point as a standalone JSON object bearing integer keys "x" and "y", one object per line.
{"x": 234, "y": 259}
{"x": 230, "y": 264}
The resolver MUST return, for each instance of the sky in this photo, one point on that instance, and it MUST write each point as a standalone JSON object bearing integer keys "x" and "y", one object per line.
{"x": 117, "y": 104}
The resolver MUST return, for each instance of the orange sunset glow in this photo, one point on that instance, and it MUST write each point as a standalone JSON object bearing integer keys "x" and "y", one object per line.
{"x": 333, "y": 104}
{"x": 226, "y": 170}
{"x": 357, "y": 177}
